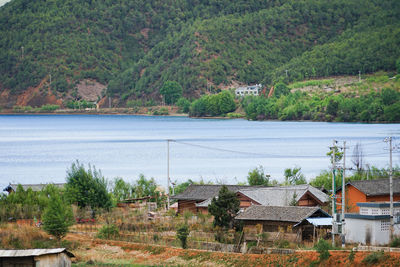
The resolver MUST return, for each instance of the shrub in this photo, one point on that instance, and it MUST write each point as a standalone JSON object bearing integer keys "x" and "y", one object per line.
{"x": 108, "y": 231}
{"x": 282, "y": 243}
{"x": 182, "y": 233}
{"x": 395, "y": 242}
{"x": 352, "y": 255}
{"x": 322, "y": 248}
{"x": 374, "y": 258}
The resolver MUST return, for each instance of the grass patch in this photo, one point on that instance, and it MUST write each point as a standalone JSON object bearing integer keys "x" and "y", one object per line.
{"x": 374, "y": 258}
{"x": 311, "y": 83}
{"x": 154, "y": 250}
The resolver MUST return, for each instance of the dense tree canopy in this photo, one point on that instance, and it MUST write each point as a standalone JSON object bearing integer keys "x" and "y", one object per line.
{"x": 135, "y": 47}
{"x": 87, "y": 187}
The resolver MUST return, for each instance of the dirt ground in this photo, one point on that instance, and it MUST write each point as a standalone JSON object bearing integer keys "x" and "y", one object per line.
{"x": 118, "y": 253}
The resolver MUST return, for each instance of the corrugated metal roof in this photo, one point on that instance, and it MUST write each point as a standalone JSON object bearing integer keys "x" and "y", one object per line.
{"x": 320, "y": 221}
{"x": 12, "y": 253}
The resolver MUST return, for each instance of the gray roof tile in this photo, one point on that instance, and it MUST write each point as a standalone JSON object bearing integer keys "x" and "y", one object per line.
{"x": 280, "y": 213}
{"x": 376, "y": 187}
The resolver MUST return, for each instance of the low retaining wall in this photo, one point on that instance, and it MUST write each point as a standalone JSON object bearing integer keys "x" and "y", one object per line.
{"x": 373, "y": 248}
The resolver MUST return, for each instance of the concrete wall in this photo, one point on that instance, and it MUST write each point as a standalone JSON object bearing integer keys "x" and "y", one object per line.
{"x": 368, "y": 232}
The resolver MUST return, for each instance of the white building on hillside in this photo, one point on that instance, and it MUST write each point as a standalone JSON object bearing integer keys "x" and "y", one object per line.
{"x": 248, "y": 90}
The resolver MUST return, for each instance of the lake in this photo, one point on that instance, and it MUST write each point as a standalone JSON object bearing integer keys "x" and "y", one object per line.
{"x": 40, "y": 148}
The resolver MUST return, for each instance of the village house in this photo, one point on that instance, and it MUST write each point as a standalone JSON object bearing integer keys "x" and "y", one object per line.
{"x": 35, "y": 187}
{"x": 36, "y": 257}
{"x": 371, "y": 226}
{"x": 248, "y": 90}
{"x": 196, "y": 198}
{"x": 367, "y": 191}
{"x": 292, "y": 222}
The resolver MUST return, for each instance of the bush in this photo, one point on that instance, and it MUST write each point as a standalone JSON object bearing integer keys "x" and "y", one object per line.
{"x": 282, "y": 244}
{"x": 323, "y": 248}
{"x": 374, "y": 258}
{"x": 182, "y": 233}
{"x": 352, "y": 255}
{"x": 108, "y": 231}
{"x": 395, "y": 242}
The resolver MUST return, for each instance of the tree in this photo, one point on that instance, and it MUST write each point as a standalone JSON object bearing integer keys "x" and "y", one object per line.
{"x": 226, "y": 102}
{"x": 281, "y": 89}
{"x": 258, "y": 177}
{"x": 87, "y": 187}
{"x": 294, "y": 176}
{"x": 171, "y": 91}
{"x": 358, "y": 158}
{"x": 183, "y": 104}
{"x": 224, "y": 208}
{"x": 57, "y": 217}
{"x": 122, "y": 190}
{"x": 182, "y": 233}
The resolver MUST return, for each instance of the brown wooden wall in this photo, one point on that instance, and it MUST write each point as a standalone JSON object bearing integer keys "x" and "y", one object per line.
{"x": 308, "y": 200}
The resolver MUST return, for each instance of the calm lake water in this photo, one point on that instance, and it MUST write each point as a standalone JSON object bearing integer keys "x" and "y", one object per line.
{"x": 40, "y": 148}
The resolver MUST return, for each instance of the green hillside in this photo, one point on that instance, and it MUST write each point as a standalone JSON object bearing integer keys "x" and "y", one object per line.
{"x": 134, "y": 47}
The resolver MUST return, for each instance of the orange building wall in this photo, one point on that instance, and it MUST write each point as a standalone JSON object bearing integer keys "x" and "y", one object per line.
{"x": 353, "y": 196}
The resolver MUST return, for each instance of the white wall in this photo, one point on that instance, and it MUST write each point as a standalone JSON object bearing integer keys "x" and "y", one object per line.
{"x": 357, "y": 230}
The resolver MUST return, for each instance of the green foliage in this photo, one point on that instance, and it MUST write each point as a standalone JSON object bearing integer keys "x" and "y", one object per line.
{"x": 136, "y": 47}
{"x": 213, "y": 105}
{"x": 374, "y": 258}
{"x": 257, "y": 176}
{"x": 395, "y": 242}
{"x": 182, "y": 234}
{"x": 398, "y": 65}
{"x": 281, "y": 89}
{"x": 360, "y": 105}
{"x": 25, "y": 204}
{"x": 323, "y": 247}
{"x": 121, "y": 190}
{"x": 183, "y": 104}
{"x": 108, "y": 231}
{"x": 224, "y": 208}
{"x": 352, "y": 255}
{"x": 311, "y": 83}
{"x": 57, "y": 217}
{"x": 294, "y": 176}
{"x": 171, "y": 91}
{"x": 87, "y": 187}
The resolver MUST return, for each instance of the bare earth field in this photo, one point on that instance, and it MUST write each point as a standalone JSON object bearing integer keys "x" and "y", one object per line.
{"x": 97, "y": 252}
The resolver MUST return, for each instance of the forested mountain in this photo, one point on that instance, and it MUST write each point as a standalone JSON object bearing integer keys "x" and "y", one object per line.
{"x": 132, "y": 47}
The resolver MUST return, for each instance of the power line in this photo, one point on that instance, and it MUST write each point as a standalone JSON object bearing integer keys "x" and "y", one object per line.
{"x": 260, "y": 154}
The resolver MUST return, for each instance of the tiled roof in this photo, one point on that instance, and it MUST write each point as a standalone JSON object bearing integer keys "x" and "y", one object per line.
{"x": 280, "y": 213}
{"x": 376, "y": 187}
{"x": 204, "y": 192}
{"x": 282, "y": 195}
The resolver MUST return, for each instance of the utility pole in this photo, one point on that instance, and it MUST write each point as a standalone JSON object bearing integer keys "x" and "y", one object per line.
{"x": 343, "y": 192}
{"x": 286, "y": 73}
{"x": 168, "y": 140}
{"x": 333, "y": 190}
{"x": 389, "y": 139}
{"x": 22, "y": 52}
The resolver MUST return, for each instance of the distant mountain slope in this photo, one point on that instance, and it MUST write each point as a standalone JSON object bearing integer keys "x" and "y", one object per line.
{"x": 133, "y": 47}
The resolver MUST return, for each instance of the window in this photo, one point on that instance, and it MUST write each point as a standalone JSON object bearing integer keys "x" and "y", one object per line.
{"x": 385, "y": 211}
{"x": 375, "y": 211}
{"x": 385, "y": 225}
{"x": 364, "y": 211}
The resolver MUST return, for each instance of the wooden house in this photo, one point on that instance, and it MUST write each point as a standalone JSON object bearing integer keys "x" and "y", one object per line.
{"x": 291, "y": 220}
{"x": 196, "y": 198}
